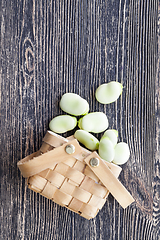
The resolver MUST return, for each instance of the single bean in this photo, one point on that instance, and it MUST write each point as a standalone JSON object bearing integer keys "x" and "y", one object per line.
{"x": 122, "y": 153}
{"x": 74, "y": 104}
{"x": 108, "y": 92}
{"x": 112, "y": 134}
{"x": 63, "y": 123}
{"x": 106, "y": 149}
{"x": 87, "y": 139}
{"x": 95, "y": 122}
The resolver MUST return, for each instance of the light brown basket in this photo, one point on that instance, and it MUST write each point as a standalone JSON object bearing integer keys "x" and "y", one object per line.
{"x": 69, "y": 179}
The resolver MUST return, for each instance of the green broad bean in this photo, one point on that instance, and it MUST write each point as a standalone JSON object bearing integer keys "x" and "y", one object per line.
{"x": 122, "y": 153}
{"x": 74, "y": 104}
{"x": 87, "y": 139}
{"x": 63, "y": 123}
{"x": 112, "y": 134}
{"x": 95, "y": 122}
{"x": 108, "y": 92}
{"x": 106, "y": 149}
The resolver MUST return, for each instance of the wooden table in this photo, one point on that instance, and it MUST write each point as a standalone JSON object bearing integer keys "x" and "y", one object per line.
{"x": 52, "y": 47}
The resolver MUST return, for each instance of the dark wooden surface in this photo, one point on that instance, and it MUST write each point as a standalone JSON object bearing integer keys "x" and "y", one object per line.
{"x": 51, "y": 47}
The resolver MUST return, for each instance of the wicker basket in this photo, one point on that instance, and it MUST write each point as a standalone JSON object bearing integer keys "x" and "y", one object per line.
{"x": 72, "y": 176}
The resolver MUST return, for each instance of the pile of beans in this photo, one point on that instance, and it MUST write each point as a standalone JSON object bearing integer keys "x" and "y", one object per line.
{"x": 94, "y": 122}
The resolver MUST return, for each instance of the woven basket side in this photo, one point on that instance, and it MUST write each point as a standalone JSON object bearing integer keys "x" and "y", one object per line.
{"x": 70, "y": 180}
{"x": 71, "y": 183}
{"x": 61, "y": 188}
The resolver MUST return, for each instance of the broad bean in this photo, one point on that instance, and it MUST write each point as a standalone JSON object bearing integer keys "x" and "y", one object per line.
{"x": 74, "y": 104}
{"x": 106, "y": 149}
{"x": 108, "y": 92}
{"x": 95, "y": 122}
{"x": 87, "y": 139}
{"x": 112, "y": 134}
{"x": 122, "y": 153}
{"x": 63, "y": 123}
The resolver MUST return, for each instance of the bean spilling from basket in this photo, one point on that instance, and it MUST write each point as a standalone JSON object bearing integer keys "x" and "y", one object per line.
{"x": 94, "y": 122}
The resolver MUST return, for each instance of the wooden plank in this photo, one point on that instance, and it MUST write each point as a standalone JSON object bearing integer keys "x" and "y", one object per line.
{"x": 51, "y": 47}
{"x": 156, "y": 181}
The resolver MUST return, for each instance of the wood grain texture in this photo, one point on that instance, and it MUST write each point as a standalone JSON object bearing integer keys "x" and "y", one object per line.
{"x": 51, "y": 47}
{"x": 156, "y": 182}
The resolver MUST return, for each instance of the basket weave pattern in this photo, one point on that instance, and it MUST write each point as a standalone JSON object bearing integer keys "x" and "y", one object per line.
{"x": 71, "y": 184}
{"x": 73, "y": 176}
